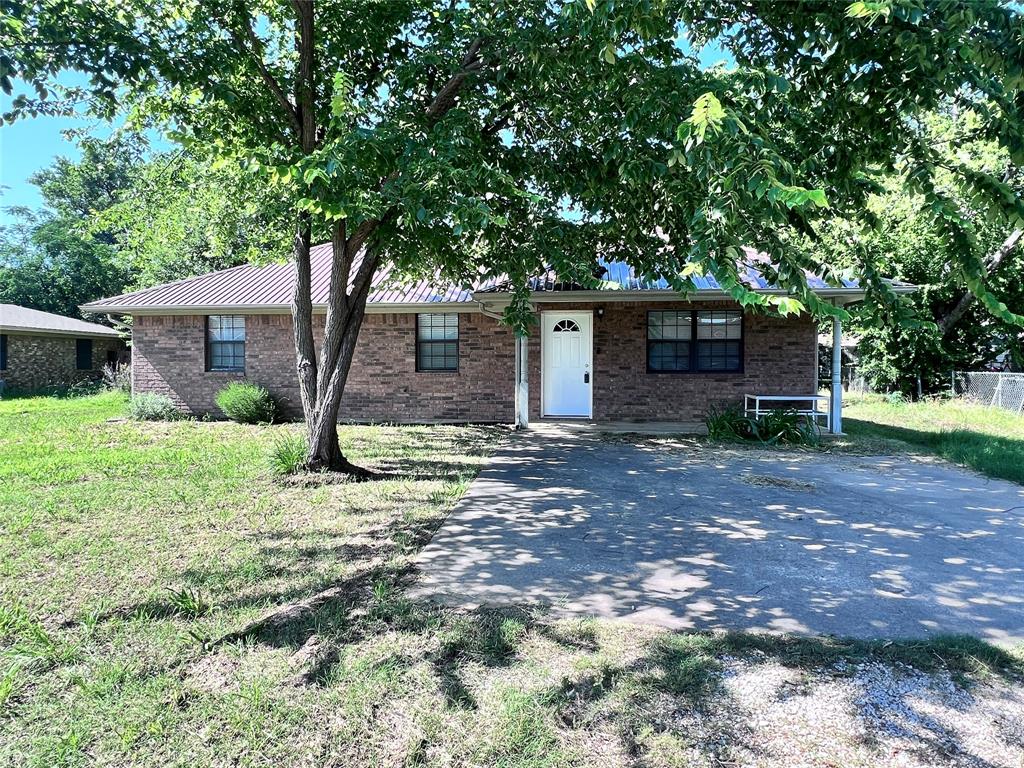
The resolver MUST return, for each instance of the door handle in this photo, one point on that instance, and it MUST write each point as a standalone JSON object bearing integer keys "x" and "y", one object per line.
{"x": 586, "y": 378}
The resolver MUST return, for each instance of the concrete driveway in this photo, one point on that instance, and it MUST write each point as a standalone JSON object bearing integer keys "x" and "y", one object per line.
{"x": 693, "y": 538}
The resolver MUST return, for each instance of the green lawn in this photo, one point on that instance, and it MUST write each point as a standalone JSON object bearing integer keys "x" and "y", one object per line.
{"x": 988, "y": 440}
{"x": 137, "y": 559}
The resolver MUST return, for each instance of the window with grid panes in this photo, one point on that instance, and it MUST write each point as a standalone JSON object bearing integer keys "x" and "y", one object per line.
{"x": 437, "y": 342}
{"x": 225, "y": 343}
{"x": 669, "y": 335}
{"x": 719, "y": 340}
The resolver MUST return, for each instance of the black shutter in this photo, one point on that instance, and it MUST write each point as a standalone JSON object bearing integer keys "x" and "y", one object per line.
{"x": 83, "y": 354}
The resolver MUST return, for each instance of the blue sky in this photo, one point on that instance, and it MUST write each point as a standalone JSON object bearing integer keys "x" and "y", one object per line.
{"x": 32, "y": 144}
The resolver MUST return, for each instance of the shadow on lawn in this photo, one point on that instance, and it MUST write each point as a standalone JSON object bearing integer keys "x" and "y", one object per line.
{"x": 993, "y": 455}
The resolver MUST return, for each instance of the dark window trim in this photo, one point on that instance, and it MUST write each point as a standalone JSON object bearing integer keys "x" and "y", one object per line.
{"x": 208, "y": 346}
{"x": 79, "y": 354}
{"x": 694, "y": 343}
{"x": 3, "y": 351}
{"x": 458, "y": 349}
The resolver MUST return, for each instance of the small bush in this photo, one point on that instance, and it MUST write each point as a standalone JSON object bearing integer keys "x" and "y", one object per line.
{"x": 896, "y": 398}
{"x": 725, "y": 423}
{"x": 774, "y": 427}
{"x": 247, "y": 403}
{"x": 117, "y": 377}
{"x": 287, "y": 455}
{"x": 153, "y": 408}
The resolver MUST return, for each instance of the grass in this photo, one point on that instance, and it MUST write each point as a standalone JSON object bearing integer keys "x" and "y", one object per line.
{"x": 988, "y": 440}
{"x": 137, "y": 561}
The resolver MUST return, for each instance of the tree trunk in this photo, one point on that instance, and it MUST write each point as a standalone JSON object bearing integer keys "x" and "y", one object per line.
{"x": 344, "y": 319}
{"x": 966, "y": 301}
{"x": 302, "y": 318}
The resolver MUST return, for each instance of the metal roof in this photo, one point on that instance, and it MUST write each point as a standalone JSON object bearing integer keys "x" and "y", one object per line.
{"x": 620, "y": 276}
{"x": 22, "y": 319}
{"x": 269, "y": 287}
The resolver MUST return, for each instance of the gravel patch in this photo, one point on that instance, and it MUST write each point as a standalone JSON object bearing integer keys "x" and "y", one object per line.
{"x": 877, "y": 715}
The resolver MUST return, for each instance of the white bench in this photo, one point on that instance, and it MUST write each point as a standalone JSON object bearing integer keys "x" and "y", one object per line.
{"x": 809, "y": 405}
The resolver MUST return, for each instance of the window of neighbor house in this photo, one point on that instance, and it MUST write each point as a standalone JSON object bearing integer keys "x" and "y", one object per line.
{"x": 3, "y": 351}
{"x": 225, "y": 343}
{"x": 83, "y": 354}
{"x": 687, "y": 341}
{"x": 437, "y": 342}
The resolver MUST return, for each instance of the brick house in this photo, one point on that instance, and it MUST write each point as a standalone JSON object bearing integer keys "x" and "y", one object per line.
{"x": 41, "y": 349}
{"x": 633, "y": 351}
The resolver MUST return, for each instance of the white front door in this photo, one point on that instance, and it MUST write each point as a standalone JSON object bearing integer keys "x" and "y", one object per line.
{"x": 567, "y": 370}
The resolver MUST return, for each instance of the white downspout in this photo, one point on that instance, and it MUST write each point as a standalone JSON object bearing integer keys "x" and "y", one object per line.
{"x": 836, "y": 402}
{"x": 522, "y": 383}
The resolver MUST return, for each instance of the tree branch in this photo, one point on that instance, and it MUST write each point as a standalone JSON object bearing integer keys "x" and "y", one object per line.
{"x": 305, "y": 81}
{"x": 255, "y": 51}
{"x": 992, "y": 262}
{"x": 446, "y": 96}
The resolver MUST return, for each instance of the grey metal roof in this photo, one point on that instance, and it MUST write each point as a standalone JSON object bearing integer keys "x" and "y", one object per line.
{"x": 270, "y": 287}
{"x": 22, "y": 319}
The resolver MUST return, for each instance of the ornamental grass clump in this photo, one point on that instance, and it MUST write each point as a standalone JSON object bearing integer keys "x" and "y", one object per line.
{"x": 773, "y": 428}
{"x": 287, "y": 455}
{"x": 247, "y": 403}
{"x": 150, "y": 407}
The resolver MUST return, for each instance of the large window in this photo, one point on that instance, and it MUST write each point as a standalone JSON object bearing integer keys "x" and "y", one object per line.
{"x": 83, "y": 354}
{"x": 225, "y": 343}
{"x": 703, "y": 341}
{"x": 437, "y": 342}
{"x": 3, "y": 351}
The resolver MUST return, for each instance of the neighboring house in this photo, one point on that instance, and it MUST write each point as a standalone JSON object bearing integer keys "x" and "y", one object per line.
{"x": 40, "y": 349}
{"x": 630, "y": 351}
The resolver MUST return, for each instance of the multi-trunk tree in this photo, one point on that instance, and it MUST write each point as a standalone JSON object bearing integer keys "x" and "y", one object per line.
{"x": 461, "y": 139}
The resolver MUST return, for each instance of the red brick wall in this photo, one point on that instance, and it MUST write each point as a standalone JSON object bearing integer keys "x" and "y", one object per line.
{"x": 168, "y": 357}
{"x": 383, "y": 384}
{"x": 779, "y": 358}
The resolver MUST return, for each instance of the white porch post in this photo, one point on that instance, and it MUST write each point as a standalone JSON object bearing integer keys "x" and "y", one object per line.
{"x": 522, "y": 383}
{"x": 836, "y": 401}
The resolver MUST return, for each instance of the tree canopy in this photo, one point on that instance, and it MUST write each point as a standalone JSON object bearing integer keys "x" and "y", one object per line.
{"x": 908, "y": 245}
{"x": 591, "y": 106}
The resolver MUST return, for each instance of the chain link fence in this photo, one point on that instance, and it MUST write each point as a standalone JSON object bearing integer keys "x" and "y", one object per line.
{"x": 1002, "y": 390}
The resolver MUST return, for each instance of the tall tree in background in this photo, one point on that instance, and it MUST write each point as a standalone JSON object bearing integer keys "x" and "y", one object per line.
{"x": 51, "y": 260}
{"x": 455, "y": 137}
{"x": 121, "y": 217}
{"x": 905, "y": 241}
{"x": 180, "y": 216}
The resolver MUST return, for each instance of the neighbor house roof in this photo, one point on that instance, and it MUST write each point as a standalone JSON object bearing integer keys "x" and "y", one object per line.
{"x": 17, "y": 319}
{"x": 269, "y": 288}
